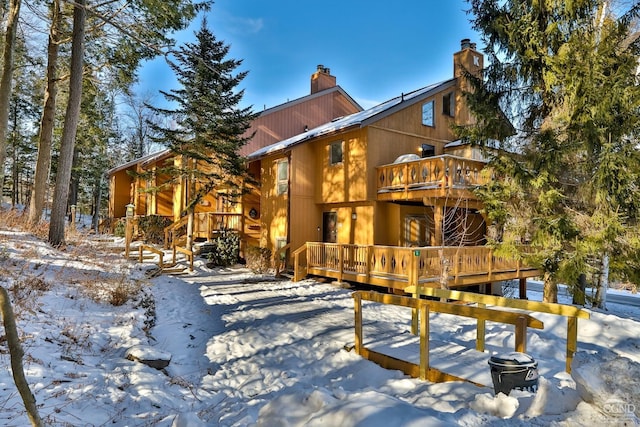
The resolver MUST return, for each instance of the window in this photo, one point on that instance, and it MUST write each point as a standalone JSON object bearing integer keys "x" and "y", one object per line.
{"x": 335, "y": 153}
{"x": 449, "y": 104}
{"x": 427, "y": 114}
{"x": 282, "y": 182}
{"x": 427, "y": 150}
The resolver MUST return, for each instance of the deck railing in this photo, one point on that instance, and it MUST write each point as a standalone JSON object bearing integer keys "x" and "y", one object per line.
{"x": 399, "y": 267}
{"x": 205, "y": 224}
{"x": 439, "y": 172}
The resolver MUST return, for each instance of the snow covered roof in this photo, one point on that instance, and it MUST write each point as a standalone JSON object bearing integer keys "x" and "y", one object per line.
{"x": 360, "y": 119}
{"x": 144, "y": 159}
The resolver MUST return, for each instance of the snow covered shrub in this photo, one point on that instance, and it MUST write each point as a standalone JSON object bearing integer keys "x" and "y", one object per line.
{"x": 258, "y": 259}
{"x": 226, "y": 249}
{"x": 25, "y": 292}
{"x": 152, "y": 227}
{"x": 120, "y": 227}
{"x": 148, "y": 303}
{"x": 119, "y": 295}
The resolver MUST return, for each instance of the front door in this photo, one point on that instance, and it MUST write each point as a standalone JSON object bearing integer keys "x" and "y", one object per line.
{"x": 329, "y": 227}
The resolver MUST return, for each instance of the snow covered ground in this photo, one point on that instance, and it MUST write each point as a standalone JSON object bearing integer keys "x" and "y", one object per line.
{"x": 251, "y": 350}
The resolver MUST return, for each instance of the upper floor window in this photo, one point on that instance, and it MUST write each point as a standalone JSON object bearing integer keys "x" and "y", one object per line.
{"x": 449, "y": 104}
{"x": 335, "y": 153}
{"x": 428, "y": 118}
{"x": 282, "y": 181}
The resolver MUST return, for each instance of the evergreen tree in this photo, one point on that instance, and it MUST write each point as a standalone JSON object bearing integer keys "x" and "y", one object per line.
{"x": 209, "y": 124}
{"x": 565, "y": 75}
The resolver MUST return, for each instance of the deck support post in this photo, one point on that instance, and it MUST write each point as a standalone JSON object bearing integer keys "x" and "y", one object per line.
{"x": 128, "y": 236}
{"x": 572, "y": 341}
{"x": 424, "y": 341}
{"x": 522, "y": 288}
{"x": 412, "y": 280}
{"x": 480, "y": 331}
{"x": 521, "y": 334}
{"x": 357, "y": 308}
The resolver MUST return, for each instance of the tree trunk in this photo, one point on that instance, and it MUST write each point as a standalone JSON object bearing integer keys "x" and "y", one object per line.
{"x": 550, "y": 291}
{"x": 72, "y": 116}
{"x": 43, "y": 164}
{"x": 97, "y": 200}
{"x": 15, "y": 350}
{"x": 579, "y": 290}
{"x": 6, "y": 80}
{"x": 603, "y": 287}
{"x": 73, "y": 183}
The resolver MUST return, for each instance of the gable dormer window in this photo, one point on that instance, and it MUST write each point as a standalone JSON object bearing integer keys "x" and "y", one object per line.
{"x": 428, "y": 118}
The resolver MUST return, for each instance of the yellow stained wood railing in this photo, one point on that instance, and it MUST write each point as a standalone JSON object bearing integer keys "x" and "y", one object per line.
{"x": 299, "y": 263}
{"x": 423, "y": 370}
{"x": 186, "y": 252}
{"x": 571, "y": 312}
{"x": 438, "y": 172}
{"x": 151, "y": 249}
{"x": 205, "y": 224}
{"x": 171, "y": 231}
{"x": 399, "y": 267}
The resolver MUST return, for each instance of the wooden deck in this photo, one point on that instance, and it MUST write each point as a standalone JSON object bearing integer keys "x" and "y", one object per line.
{"x": 437, "y": 176}
{"x": 401, "y": 267}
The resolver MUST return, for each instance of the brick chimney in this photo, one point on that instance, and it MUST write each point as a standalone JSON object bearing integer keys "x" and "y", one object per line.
{"x": 322, "y": 79}
{"x": 467, "y": 59}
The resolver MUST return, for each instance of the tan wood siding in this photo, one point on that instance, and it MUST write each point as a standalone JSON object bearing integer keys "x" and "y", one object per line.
{"x": 120, "y": 193}
{"x": 345, "y": 181}
{"x": 274, "y": 207}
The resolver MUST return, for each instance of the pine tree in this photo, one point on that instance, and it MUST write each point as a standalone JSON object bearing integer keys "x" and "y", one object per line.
{"x": 564, "y": 73}
{"x": 210, "y": 124}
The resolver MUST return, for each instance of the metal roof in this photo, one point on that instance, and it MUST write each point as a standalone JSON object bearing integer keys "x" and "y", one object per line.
{"x": 360, "y": 119}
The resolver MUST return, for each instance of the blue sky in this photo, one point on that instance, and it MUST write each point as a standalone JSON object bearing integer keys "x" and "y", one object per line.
{"x": 376, "y": 49}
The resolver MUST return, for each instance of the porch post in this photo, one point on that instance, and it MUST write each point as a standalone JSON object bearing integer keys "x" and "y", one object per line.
{"x": 438, "y": 218}
{"x": 522, "y": 288}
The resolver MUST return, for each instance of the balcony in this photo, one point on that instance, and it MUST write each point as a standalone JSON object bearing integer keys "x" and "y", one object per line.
{"x": 435, "y": 177}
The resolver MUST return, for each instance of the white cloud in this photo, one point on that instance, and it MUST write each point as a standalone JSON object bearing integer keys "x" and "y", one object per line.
{"x": 240, "y": 25}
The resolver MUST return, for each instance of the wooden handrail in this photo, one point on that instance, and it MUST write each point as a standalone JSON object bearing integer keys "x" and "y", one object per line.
{"x": 520, "y": 320}
{"x": 571, "y": 312}
{"x": 188, "y": 253}
{"x": 155, "y": 251}
{"x": 170, "y": 228}
{"x": 297, "y": 267}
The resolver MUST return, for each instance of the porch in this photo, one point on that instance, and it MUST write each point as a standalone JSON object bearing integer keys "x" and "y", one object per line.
{"x": 399, "y": 268}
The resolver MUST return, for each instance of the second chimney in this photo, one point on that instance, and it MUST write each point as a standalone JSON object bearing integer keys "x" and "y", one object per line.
{"x": 322, "y": 79}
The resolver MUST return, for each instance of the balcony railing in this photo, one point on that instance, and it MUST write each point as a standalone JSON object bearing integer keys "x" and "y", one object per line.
{"x": 432, "y": 173}
{"x": 402, "y": 267}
